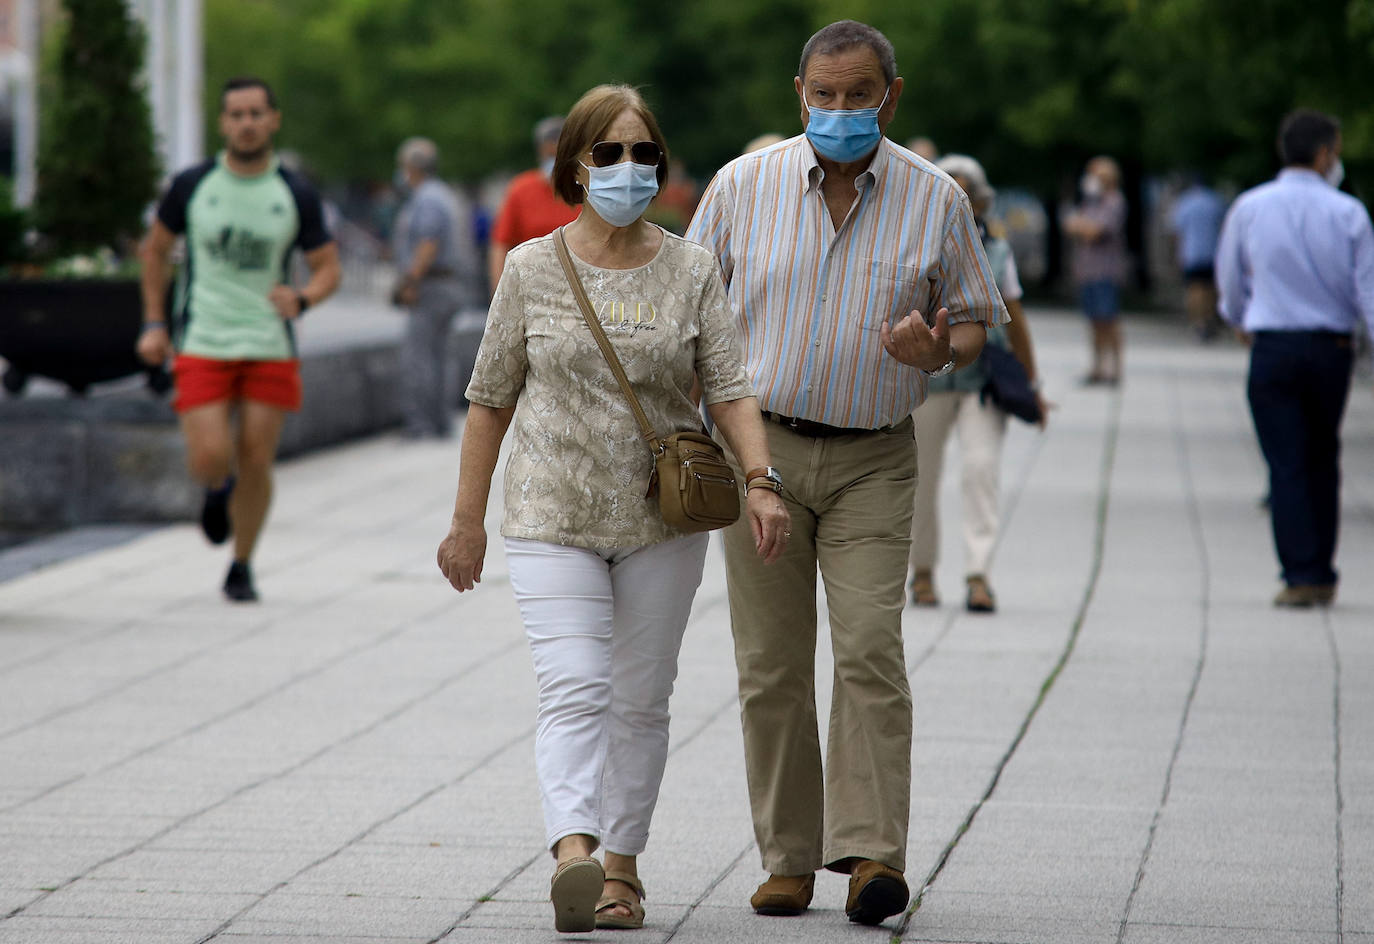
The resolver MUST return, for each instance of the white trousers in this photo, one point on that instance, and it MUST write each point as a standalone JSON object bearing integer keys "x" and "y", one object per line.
{"x": 980, "y": 429}
{"x": 604, "y": 630}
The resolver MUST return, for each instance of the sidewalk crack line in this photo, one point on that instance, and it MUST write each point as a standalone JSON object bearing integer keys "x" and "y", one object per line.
{"x": 1094, "y": 571}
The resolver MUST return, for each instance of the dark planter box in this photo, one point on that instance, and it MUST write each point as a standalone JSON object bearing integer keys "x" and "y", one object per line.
{"x": 76, "y": 331}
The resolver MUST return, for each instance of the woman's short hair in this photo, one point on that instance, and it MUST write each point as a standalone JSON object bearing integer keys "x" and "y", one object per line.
{"x": 1303, "y": 133}
{"x": 587, "y": 123}
{"x": 980, "y": 192}
{"x": 420, "y": 154}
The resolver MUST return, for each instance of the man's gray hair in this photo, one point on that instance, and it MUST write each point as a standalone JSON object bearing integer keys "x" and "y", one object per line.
{"x": 847, "y": 34}
{"x": 548, "y": 129}
{"x": 420, "y": 154}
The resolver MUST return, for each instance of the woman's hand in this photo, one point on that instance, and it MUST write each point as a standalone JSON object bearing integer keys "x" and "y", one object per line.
{"x": 462, "y": 553}
{"x": 1045, "y": 407}
{"x": 770, "y": 521}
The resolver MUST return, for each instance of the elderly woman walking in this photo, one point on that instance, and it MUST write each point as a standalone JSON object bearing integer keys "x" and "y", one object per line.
{"x": 604, "y": 584}
{"x": 956, "y": 403}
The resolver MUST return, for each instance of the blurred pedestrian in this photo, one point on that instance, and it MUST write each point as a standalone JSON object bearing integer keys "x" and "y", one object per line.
{"x": 1196, "y": 225}
{"x": 923, "y": 146}
{"x": 1097, "y": 226}
{"x": 236, "y": 367}
{"x": 957, "y": 403}
{"x": 762, "y": 141}
{"x": 603, "y": 583}
{"x": 1295, "y": 270}
{"x": 436, "y": 253}
{"x": 530, "y": 207}
{"x": 677, "y": 201}
{"x": 856, "y": 273}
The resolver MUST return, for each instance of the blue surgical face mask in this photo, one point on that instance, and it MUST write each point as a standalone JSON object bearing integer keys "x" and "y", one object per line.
{"x": 621, "y": 192}
{"x": 1335, "y": 174}
{"x": 843, "y": 135}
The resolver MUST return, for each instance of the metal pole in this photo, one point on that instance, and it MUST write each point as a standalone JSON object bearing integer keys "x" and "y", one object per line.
{"x": 26, "y": 104}
{"x": 155, "y": 68}
{"x": 188, "y": 146}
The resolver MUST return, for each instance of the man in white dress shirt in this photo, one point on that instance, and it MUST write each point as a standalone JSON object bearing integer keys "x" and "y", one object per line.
{"x": 1295, "y": 272}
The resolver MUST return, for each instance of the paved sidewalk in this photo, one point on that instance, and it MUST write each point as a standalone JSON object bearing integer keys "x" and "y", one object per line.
{"x": 1136, "y": 748}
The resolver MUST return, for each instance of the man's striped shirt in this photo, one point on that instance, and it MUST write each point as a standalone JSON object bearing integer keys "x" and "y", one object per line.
{"x": 810, "y": 299}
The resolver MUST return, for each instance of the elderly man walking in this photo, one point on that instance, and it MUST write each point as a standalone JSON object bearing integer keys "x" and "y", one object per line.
{"x": 856, "y": 272}
{"x": 1295, "y": 270}
{"x": 436, "y": 253}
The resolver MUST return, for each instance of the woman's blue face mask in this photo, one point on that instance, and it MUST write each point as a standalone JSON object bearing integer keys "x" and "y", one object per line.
{"x": 843, "y": 135}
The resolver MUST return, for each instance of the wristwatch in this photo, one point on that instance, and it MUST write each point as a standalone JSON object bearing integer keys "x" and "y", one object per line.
{"x": 764, "y": 477}
{"x": 949, "y": 364}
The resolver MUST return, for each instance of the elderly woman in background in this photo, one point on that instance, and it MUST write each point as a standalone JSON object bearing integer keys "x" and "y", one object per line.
{"x": 955, "y": 403}
{"x": 1097, "y": 226}
{"x": 604, "y": 585}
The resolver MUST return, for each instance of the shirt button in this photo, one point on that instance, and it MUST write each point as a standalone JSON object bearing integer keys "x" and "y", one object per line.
{"x": 824, "y": 297}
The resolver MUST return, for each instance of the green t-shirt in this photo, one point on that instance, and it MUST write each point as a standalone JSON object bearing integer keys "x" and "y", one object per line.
{"x": 240, "y": 232}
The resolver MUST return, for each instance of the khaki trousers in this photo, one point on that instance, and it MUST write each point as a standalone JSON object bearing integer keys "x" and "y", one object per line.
{"x": 981, "y": 428}
{"x": 850, "y": 498}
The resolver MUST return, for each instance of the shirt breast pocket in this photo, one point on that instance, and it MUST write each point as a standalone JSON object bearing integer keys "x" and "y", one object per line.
{"x": 894, "y": 289}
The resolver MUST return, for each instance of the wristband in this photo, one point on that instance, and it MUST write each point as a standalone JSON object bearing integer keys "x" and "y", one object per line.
{"x": 150, "y": 325}
{"x": 303, "y": 302}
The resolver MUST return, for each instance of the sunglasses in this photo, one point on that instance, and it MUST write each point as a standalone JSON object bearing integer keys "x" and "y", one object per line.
{"x": 606, "y": 153}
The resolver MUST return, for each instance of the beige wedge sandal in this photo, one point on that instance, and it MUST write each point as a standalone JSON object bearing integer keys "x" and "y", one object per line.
{"x": 573, "y": 892}
{"x": 607, "y": 918}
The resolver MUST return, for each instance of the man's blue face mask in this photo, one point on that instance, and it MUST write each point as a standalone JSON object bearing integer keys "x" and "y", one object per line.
{"x": 843, "y": 135}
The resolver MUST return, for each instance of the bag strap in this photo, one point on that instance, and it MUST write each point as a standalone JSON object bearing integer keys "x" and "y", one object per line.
{"x": 602, "y": 341}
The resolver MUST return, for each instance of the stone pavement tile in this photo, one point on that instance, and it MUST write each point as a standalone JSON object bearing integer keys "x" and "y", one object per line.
{"x": 1042, "y": 879}
{"x": 40, "y": 862}
{"x": 709, "y": 924}
{"x": 11, "y": 898}
{"x": 1144, "y": 933}
{"x": 79, "y": 930}
{"x": 996, "y": 918}
{"x": 250, "y": 937}
{"x": 1027, "y": 830}
{"x": 358, "y": 915}
{"x": 104, "y": 900}
{"x": 1259, "y": 894}
{"x": 222, "y": 871}
{"x": 458, "y": 873}
{"x": 1292, "y": 835}
{"x": 1084, "y": 776}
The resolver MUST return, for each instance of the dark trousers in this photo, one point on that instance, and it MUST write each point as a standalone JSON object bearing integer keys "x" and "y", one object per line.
{"x": 1299, "y": 383}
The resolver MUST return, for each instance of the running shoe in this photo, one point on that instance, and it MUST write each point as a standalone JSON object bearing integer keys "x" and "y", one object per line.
{"x": 238, "y": 583}
{"x": 214, "y": 514}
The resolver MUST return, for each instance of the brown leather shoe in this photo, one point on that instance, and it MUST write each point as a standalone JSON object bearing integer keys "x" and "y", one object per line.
{"x": 1298, "y": 596}
{"x": 923, "y": 589}
{"x": 784, "y": 895}
{"x": 876, "y": 891}
{"x": 1324, "y": 594}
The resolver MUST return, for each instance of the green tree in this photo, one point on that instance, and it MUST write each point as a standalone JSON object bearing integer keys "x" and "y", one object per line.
{"x": 1031, "y": 87}
{"x": 97, "y": 169}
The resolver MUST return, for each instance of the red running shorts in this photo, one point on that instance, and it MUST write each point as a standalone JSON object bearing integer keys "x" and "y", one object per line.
{"x": 202, "y": 380}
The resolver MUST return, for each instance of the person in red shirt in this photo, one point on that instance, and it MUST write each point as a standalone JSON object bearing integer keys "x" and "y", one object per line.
{"x": 530, "y": 208}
